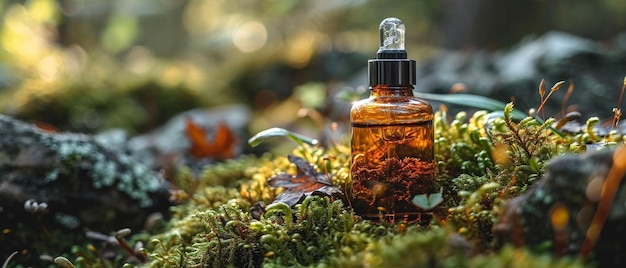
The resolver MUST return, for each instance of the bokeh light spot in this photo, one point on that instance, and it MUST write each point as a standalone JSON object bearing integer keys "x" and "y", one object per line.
{"x": 594, "y": 188}
{"x": 250, "y": 36}
{"x": 49, "y": 68}
{"x": 559, "y": 216}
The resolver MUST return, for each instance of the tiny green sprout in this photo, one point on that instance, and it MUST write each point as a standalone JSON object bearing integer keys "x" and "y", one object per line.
{"x": 63, "y": 262}
{"x": 280, "y": 132}
{"x": 428, "y": 201}
{"x": 280, "y": 207}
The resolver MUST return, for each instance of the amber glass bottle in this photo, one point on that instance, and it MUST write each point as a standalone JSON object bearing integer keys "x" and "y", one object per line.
{"x": 392, "y": 158}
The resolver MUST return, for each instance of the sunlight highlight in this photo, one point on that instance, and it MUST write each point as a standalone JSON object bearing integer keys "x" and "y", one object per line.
{"x": 250, "y": 36}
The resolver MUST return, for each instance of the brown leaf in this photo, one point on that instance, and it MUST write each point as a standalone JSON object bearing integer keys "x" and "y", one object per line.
{"x": 223, "y": 144}
{"x": 306, "y": 182}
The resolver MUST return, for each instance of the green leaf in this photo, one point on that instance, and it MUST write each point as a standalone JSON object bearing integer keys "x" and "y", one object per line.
{"x": 280, "y": 132}
{"x": 472, "y": 101}
{"x": 427, "y": 202}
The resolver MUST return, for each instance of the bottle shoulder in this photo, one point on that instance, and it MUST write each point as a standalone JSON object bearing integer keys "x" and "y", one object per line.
{"x": 391, "y": 110}
{"x": 411, "y": 103}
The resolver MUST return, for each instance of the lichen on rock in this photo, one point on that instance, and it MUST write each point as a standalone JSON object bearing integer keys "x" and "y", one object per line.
{"x": 29, "y": 153}
{"x": 84, "y": 183}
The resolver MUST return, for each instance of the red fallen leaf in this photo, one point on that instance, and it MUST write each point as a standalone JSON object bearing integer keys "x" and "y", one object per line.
{"x": 306, "y": 182}
{"x": 46, "y": 127}
{"x": 223, "y": 144}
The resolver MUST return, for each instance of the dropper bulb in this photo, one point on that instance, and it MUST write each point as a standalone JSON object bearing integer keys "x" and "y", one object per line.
{"x": 391, "y": 66}
{"x": 391, "y": 34}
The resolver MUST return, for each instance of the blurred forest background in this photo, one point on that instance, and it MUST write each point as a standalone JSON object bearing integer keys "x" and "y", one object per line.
{"x": 94, "y": 65}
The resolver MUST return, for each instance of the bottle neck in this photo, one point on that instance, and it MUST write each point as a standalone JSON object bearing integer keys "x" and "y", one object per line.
{"x": 391, "y": 91}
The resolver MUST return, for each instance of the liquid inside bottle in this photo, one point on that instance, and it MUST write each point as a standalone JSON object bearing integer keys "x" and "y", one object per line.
{"x": 390, "y": 165}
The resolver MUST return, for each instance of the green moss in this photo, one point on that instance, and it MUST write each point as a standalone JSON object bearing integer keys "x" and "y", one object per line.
{"x": 216, "y": 224}
{"x": 511, "y": 257}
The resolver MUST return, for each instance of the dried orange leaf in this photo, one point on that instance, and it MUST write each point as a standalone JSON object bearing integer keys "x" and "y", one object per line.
{"x": 223, "y": 144}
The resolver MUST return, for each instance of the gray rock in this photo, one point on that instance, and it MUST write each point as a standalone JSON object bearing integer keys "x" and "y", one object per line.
{"x": 596, "y": 70}
{"x": 65, "y": 181}
{"x": 573, "y": 184}
{"x": 53, "y": 186}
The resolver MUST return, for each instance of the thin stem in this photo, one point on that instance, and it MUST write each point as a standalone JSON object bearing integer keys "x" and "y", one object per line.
{"x": 570, "y": 89}
{"x": 554, "y": 88}
{"x": 617, "y": 112}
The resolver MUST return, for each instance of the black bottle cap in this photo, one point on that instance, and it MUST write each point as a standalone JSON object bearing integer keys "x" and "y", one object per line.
{"x": 391, "y": 66}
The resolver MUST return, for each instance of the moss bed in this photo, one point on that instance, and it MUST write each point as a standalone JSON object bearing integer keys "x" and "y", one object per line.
{"x": 225, "y": 215}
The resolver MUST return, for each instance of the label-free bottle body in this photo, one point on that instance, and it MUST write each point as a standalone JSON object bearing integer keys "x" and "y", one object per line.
{"x": 392, "y": 155}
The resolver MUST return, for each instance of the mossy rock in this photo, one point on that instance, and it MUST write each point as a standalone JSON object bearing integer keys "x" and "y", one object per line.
{"x": 55, "y": 185}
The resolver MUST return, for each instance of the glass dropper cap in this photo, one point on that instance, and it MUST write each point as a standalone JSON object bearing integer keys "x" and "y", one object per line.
{"x": 391, "y": 39}
{"x": 391, "y": 66}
